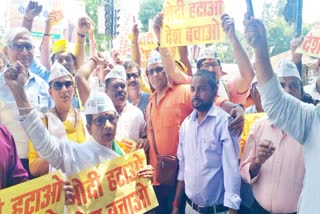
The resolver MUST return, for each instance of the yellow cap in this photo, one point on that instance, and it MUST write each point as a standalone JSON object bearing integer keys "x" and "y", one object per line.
{"x": 59, "y": 46}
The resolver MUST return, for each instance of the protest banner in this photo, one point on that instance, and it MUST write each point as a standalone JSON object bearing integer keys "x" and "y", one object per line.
{"x": 127, "y": 145}
{"x": 113, "y": 187}
{"x": 311, "y": 43}
{"x": 42, "y": 195}
{"x": 189, "y": 22}
{"x": 249, "y": 119}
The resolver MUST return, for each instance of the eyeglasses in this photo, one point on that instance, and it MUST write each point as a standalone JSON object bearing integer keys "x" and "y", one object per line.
{"x": 100, "y": 121}
{"x": 20, "y": 46}
{"x": 134, "y": 75}
{"x": 58, "y": 85}
{"x": 208, "y": 65}
{"x": 157, "y": 69}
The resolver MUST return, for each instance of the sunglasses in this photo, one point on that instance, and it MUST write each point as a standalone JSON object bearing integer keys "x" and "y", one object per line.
{"x": 58, "y": 85}
{"x": 134, "y": 75}
{"x": 20, "y": 46}
{"x": 157, "y": 69}
{"x": 100, "y": 121}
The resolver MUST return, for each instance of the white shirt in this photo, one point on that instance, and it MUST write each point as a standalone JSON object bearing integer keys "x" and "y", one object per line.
{"x": 131, "y": 123}
{"x": 301, "y": 121}
{"x": 62, "y": 153}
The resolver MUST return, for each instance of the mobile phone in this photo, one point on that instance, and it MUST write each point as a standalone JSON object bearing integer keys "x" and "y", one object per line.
{"x": 249, "y": 8}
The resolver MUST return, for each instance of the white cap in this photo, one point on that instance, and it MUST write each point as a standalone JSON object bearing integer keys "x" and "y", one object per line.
{"x": 287, "y": 68}
{"x": 154, "y": 58}
{"x": 118, "y": 72}
{"x": 208, "y": 53}
{"x": 57, "y": 71}
{"x": 98, "y": 102}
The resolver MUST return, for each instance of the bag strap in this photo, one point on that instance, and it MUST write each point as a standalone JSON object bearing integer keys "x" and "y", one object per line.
{"x": 153, "y": 139}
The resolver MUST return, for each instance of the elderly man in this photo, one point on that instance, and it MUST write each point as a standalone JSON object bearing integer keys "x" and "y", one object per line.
{"x": 61, "y": 153}
{"x": 266, "y": 147}
{"x": 299, "y": 120}
{"x": 215, "y": 166}
{"x": 18, "y": 46}
{"x": 131, "y": 123}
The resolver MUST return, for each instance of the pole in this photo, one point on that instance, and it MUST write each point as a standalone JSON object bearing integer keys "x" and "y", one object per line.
{"x": 298, "y": 23}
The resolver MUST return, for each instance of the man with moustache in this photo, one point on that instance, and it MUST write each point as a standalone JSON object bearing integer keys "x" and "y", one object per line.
{"x": 18, "y": 47}
{"x": 131, "y": 122}
{"x": 205, "y": 133}
{"x": 135, "y": 95}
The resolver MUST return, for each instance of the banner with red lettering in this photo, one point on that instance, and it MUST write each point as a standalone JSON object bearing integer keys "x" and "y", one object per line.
{"x": 189, "y": 22}
{"x": 41, "y": 195}
{"x": 113, "y": 187}
{"x": 311, "y": 43}
{"x": 148, "y": 42}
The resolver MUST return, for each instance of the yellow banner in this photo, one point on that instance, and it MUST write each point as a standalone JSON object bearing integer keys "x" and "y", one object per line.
{"x": 249, "y": 119}
{"x": 311, "y": 43}
{"x": 192, "y": 22}
{"x": 41, "y": 195}
{"x": 113, "y": 187}
{"x": 147, "y": 41}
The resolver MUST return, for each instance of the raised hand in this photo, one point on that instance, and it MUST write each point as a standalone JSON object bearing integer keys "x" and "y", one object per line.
{"x": 32, "y": 10}
{"x": 16, "y": 75}
{"x": 84, "y": 25}
{"x": 255, "y": 33}
{"x": 135, "y": 31}
{"x": 228, "y": 26}
{"x": 157, "y": 25}
{"x": 99, "y": 59}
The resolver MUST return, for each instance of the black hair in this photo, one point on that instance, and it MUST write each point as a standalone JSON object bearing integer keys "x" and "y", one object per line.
{"x": 210, "y": 76}
{"x": 130, "y": 65}
{"x": 199, "y": 62}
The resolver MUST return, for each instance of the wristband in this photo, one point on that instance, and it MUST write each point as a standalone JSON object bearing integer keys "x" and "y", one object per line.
{"x": 81, "y": 35}
{"x": 46, "y": 34}
{"x": 175, "y": 204}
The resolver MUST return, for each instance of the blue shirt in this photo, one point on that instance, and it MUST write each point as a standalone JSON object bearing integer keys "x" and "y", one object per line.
{"x": 38, "y": 69}
{"x": 301, "y": 121}
{"x": 37, "y": 92}
{"x": 144, "y": 100}
{"x": 208, "y": 160}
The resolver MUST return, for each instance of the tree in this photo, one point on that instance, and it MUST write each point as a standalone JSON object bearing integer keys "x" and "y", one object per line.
{"x": 148, "y": 9}
{"x": 103, "y": 40}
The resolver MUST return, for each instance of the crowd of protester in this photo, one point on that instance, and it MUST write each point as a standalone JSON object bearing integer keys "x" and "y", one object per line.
{"x": 69, "y": 111}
